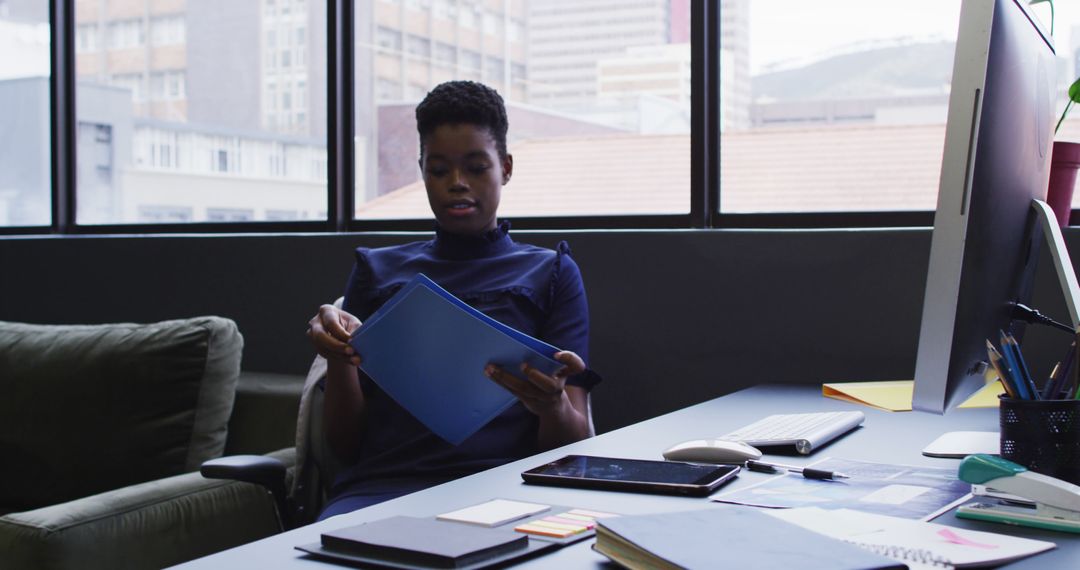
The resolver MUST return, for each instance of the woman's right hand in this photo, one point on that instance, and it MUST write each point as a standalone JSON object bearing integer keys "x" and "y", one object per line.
{"x": 330, "y": 331}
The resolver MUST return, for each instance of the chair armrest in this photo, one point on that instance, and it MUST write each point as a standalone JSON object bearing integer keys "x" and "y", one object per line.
{"x": 259, "y": 469}
{"x": 150, "y": 525}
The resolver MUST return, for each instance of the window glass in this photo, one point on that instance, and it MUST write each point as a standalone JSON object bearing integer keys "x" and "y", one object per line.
{"x": 598, "y": 101}
{"x": 200, "y": 111}
{"x": 850, "y": 117}
{"x": 25, "y": 177}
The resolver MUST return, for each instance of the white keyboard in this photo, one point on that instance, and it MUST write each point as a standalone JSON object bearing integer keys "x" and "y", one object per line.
{"x": 806, "y": 432}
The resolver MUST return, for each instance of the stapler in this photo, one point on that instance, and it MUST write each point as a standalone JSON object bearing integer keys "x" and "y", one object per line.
{"x": 1055, "y": 504}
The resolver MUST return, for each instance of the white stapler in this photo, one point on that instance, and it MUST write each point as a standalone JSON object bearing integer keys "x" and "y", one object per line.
{"x": 1056, "y": 502}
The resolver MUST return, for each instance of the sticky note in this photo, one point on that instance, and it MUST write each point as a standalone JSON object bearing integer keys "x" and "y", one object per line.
{"x": 494, "y": 512}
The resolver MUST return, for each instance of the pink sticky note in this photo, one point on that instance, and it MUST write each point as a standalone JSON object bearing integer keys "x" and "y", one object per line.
{"x": 954, "y": 538}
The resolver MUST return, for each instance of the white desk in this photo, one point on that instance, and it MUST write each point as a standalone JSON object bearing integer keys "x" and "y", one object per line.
{"x": 885, "y": 437}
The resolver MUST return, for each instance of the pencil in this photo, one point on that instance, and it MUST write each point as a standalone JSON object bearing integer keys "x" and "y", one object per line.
{"x": 1051, "y": 388}
{"x": 999, "y": 367}
{"x": 1025, "y": 374}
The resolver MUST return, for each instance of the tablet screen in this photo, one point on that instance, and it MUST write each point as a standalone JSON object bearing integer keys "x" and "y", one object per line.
{"x": 615, "y": 473}
{"x": 629, "y": 470}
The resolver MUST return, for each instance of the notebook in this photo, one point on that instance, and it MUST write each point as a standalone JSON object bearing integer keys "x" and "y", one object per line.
{"x": 726, "y": 537}
{"x": 423, "y": 543}
{"x": 918, "y": 543}
{"x": 428, "y": 349}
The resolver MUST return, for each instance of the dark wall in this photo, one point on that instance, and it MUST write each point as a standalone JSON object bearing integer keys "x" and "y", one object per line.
{"x": 677, "y": 316}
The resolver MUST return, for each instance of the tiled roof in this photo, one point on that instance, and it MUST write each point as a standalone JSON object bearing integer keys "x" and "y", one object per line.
{"x": 837, "y": 168}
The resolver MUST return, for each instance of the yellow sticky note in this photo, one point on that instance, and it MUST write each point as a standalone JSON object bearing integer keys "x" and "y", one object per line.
{"x": 890, "y": 395}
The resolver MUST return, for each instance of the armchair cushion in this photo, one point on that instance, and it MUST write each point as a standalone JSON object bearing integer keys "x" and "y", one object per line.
{"x": 90, "y": 408}
{"x": 150, "y": 525}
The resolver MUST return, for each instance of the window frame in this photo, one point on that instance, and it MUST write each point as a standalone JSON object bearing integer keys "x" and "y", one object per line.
{"x": 705, "y": 152}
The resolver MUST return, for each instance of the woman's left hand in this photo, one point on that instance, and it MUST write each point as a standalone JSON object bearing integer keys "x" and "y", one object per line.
{"x": 539, "y": 392}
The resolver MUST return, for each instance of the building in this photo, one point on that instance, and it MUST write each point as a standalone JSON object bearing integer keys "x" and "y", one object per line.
{"x": 407, "y": 47}
{"x": 567, "y": 39}
{"x": 735, "y": 63}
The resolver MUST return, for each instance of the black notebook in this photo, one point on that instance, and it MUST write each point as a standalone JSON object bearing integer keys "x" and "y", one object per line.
{"x": 423, "y": 542}
{"x": 414, "y": 542}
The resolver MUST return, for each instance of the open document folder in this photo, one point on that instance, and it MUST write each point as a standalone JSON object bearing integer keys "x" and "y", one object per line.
{"x": 427, "y": 349}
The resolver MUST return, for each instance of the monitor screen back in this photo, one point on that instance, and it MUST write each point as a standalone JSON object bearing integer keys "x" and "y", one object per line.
{"x": 996, "y": 160}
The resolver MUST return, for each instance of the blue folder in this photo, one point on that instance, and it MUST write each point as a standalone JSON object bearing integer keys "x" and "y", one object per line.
{"x": 428, "y": 349}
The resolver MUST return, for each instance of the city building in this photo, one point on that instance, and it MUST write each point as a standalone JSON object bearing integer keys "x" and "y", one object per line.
{"x": 736, "y": 94}
{"x": 566, "y": 44}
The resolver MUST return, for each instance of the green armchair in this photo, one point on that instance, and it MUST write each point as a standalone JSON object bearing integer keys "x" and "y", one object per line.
{"x": 102, "y": 429}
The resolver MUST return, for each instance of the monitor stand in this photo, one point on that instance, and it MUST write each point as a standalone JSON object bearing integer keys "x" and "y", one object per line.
{"x": 957, "y": 444}
{"x": 1062, "y": 262}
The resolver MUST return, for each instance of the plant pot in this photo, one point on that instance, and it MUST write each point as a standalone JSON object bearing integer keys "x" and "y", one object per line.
{"x": 1064, "y": 163}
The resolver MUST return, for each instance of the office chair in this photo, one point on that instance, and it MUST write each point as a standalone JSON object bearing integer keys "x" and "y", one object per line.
{"x": 299, "y": 495}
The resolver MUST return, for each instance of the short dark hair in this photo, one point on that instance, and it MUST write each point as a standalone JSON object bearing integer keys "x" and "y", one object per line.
{"x": 463, "y": 102}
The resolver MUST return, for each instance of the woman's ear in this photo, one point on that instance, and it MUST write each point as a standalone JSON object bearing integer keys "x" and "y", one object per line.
{"x": 508, "y": 167}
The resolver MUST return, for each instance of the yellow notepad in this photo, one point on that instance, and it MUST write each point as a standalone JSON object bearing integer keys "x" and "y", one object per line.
{"x": 895, "y": 395}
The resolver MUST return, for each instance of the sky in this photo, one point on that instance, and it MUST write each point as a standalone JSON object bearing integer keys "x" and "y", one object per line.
{"x": 785, "y": 29}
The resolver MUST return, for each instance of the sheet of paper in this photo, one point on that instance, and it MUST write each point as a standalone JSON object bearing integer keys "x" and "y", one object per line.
{"x": 912, "y": 492}
{"x": 964, "y": 443}
{"x": 494, "y": 512}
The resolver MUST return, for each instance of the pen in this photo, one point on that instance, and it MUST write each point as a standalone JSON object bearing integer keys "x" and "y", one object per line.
{"x": 808, "y": 472}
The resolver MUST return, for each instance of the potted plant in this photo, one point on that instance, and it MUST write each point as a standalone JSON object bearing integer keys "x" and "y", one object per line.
{"x": 1064, "y": 163}
{"x": 1065, "y": 157}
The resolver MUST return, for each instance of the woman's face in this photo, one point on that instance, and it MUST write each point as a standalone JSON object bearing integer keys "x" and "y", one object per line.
{"x": 464, "y": 176}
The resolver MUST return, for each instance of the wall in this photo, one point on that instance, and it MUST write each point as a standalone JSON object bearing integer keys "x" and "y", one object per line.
{"x": 678, "y": 316}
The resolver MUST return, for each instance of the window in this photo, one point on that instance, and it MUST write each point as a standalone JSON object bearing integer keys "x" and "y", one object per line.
{"x": 191, "y": 132}
{"x": 603, "y": 152}
{"x": 155, "y": 214}
{"x": 418, "y": 46}
{"x": 86, "y": 38}
{"x": 167, "y": 30}
{"x": 600, "y": 100}
{"x": 25, "y": 177}
{"x": 229, "y": 215}
{"x": 126, "y": 34}
{"x": 856, "y": 111}
{"x": 445, "y": 53}
{"x": 388, "y": 39}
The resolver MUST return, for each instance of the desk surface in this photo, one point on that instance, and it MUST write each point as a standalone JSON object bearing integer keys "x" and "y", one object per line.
{"x": 885, "y": 437}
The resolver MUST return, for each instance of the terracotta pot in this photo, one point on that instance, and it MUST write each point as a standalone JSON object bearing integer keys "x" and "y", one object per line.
{"x": 1064, "y": 163}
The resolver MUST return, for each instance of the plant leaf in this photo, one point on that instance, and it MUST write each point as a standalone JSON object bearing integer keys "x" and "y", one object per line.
{"x": 1074, "y": 91}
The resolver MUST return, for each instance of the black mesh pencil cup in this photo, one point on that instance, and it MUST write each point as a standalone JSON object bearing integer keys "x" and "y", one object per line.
{"x": 1042, "y": 435}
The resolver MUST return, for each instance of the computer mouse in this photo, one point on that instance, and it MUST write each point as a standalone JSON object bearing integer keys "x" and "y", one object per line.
{"x": 712, "y": 451}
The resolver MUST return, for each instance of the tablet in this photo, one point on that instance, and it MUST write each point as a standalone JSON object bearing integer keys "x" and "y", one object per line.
{"x": 640, "y": 475}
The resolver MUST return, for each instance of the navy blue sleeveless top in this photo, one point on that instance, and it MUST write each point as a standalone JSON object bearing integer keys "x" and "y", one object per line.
{"x": 535, "y": 290}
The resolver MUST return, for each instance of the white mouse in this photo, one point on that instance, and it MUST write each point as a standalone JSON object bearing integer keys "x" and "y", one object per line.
{"x": 712, "y": 451}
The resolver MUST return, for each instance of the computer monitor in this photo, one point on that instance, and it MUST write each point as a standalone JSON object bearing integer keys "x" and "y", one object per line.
{"x": 996, "y": 161}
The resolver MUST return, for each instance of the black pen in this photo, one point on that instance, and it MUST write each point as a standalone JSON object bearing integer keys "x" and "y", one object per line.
{"x": 808, "y": 472}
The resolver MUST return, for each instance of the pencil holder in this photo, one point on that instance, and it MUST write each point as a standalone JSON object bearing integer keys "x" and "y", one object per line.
{"x": 1042, "y": 435}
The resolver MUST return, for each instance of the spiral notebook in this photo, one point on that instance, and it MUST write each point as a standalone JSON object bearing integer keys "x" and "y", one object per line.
{"x": 723, "y": 536}
{"x": 918, "y": 544}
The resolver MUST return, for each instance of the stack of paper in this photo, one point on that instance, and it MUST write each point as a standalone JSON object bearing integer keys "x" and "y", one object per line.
{"x": 428, "y": 349}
